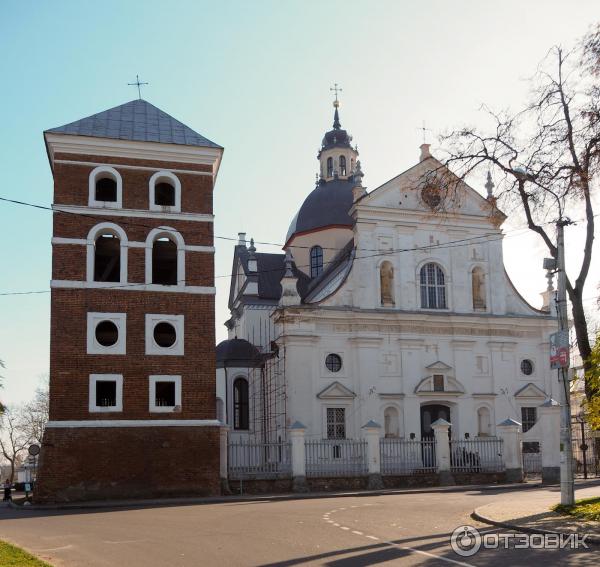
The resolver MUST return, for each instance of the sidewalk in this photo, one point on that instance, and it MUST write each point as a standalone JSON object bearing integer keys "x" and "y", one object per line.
{"x": 530, "y": 512}
{"x": 139, "y": 503}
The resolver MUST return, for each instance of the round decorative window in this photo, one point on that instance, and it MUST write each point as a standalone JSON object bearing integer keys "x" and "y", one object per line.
{"x": 165, "y": 335}
{"x": 333, "y": 362}
{"x": 527, "y": 367}
{"x": 107, "y": 333}
{"x": 432, "y": 196}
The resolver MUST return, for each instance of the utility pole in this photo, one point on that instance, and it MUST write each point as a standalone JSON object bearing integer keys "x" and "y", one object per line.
{"x": 567, "y": 488}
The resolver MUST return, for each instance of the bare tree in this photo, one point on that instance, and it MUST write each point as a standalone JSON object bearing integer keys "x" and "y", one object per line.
{"x": 546, "y": 158}
{"x": 13, "y": 440}
{"x": 34, "y": 414}
{"x": 2, "y": 408}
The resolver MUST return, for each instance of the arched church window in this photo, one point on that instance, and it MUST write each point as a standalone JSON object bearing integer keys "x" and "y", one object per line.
{"x": 316, "y": 261}
{"x": 107, "y": 258}
{"x": 329, "y": 167}
{"x": 478, "y": 288}
{"x": 164, "y": 261}
{"x": 484, "y": 423}
{"x": 433, "y": 287}
{"x": 342, "y": 165}
{"x": 241, "y": 413}
{"x": 106, "y": 189}
{"x": 391, "y": 422}
{"x": 386, "y": 279}
{"x": 164, "y": 194}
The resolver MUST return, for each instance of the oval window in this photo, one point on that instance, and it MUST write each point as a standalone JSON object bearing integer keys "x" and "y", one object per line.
{"x": 527, "y": 367}
{"x": 107, "y": 333}
{"x": 333, "y": 362}
{"x": 165, "y": 335}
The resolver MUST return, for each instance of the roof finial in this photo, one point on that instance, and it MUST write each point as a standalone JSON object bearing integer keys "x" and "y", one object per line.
{"x": 336, "y": 105}
{"x": 489, "y": 185}
{"x": 137, "y": 84}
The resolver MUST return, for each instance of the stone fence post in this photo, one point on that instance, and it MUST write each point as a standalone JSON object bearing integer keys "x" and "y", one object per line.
{"x": 512, "y": 449}
{"x": 297, "y": 438}
{"x": 371, "y": 433}
{"x": 442, "y": 451}
{"x": 550, "y": 427}
{"x": 223, "y": 459}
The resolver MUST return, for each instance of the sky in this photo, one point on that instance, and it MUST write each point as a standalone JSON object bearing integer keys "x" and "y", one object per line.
{"x": 254, "y": 76}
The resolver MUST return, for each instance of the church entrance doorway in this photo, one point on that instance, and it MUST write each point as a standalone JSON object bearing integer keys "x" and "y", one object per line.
{"x": 429, "y": 414}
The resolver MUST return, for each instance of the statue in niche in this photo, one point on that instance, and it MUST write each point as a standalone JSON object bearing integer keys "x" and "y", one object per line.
{"x": 478, "y": 286}
{"x": 386, "y": 274}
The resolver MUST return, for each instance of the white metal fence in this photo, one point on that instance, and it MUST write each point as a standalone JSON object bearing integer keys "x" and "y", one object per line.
{"x": 481, "y": 454}
{"x": 249, "y": 460}
{"x": 336, "y": 457}
{"x": 407, "y": 456}
{"x": 532, "y": 464}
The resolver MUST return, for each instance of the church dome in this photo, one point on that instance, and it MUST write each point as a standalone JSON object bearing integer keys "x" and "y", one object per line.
{"x": 326, "y": 206}
{"x": 237, "y": 353}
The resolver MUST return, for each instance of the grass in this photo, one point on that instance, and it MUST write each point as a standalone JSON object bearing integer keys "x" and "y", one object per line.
{"x": 586, "y": 509}
{"x": 11, "y": 556}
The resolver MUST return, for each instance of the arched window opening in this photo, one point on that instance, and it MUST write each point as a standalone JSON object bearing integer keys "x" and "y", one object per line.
{"x": 164, "y": 262}
{"x": 342, "y": 165}
{"x": 433, "y": 287}
{"x": 386, "y": 278}
{"x": 352, "y": 164}
{"x": 164, "y": 194}
{"x": 241, "y": 413}
{"x": 316, "y": 261}
{"x": 478, "y": 287}
{"x": 484, "y": 423}
{"x": 107, "y": 258}
{"x": 391, "y": 422}
{"x": 106, "y": 189}
{"x": 329, "y": 167}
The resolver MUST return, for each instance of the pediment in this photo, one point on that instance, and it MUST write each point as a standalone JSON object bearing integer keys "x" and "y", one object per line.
{"x": 451, "y": 386}
{"x": 405, "y": 192}
{"x": 531, "y": 391}
{"x": 439, "y": 365}
{"x": 337, "y": 391}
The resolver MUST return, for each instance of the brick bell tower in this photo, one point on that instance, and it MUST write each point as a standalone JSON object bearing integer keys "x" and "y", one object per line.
{"x": 132, "y": 355}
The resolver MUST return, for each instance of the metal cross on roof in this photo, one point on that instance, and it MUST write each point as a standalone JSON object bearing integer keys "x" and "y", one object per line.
{"x": 424, "y": 130}
{"x": 137, "y": 84}
{"x": 336, "y": 89}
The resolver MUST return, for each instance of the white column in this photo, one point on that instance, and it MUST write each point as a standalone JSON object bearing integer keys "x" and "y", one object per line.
{"x": 550, "y": 427}
{"x": 371, "y": 434}
{"x": 442, "y": 451}
{"x": 223, "y": 459}
{"x": 512, "y": 449}
{"x": 297, "y": 437}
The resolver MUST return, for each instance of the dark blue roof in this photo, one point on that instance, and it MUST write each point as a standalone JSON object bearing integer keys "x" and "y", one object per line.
{"x": 137, "y": 121}
{"x": 237, "y": 353}
{"x": 327, "y": 205}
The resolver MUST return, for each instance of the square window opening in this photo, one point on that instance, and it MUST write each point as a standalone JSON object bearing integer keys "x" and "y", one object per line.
{"x": 164, "y": 394}
{"x": 106, "y": 393}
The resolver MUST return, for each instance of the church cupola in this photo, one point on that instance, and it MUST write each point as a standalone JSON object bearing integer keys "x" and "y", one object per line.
{"x": 337, "y": 156}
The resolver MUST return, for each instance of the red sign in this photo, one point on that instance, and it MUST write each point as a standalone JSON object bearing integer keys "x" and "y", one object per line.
{"x": 559, "y": 350}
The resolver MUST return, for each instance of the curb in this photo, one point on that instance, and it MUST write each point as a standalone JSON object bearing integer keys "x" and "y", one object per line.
{"x": 257, "y": 497}
{"x": 476, "y": 515}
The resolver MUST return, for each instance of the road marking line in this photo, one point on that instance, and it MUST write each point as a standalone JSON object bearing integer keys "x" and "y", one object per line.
{"x": 336, "y": 525}
{"x": 357, "y": 532}
{"x": 68, "y": 546}
{"x": 344, "y": 528}
{"x": 373, "y": 537}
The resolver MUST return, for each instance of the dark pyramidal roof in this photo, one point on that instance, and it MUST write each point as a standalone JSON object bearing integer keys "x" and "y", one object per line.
{"x": 137, "y": 121}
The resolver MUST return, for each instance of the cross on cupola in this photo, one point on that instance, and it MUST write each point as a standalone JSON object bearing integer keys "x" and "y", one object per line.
{"x": 336, "y": 90}
{"x": 138, "y": 84}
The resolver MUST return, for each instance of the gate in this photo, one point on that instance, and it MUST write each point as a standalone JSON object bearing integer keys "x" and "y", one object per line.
{"x": 585, "y": 451}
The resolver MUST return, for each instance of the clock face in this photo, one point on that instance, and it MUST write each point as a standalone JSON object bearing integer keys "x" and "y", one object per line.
{"x": 432, "y": 196}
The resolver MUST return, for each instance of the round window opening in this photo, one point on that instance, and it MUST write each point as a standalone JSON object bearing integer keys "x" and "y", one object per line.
{"x": 333, "y": 362}
{"x": 527, "y": 367}
{"x": 107, "y": 333}
{"x": 165, "y": 335}
{"x": 432, "y": 196}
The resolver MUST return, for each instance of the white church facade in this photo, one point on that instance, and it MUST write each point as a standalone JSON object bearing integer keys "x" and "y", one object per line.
{"x": 390, "y": 306}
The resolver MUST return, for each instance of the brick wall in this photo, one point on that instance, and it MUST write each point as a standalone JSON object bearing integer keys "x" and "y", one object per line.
{"x": 142, "y": 462}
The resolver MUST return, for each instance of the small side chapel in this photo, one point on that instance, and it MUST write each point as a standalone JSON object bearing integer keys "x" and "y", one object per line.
{"x": 391, "y": 305}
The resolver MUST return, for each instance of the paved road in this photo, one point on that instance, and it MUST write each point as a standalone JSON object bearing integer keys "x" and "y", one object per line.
{"x": 393, "y": 529}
